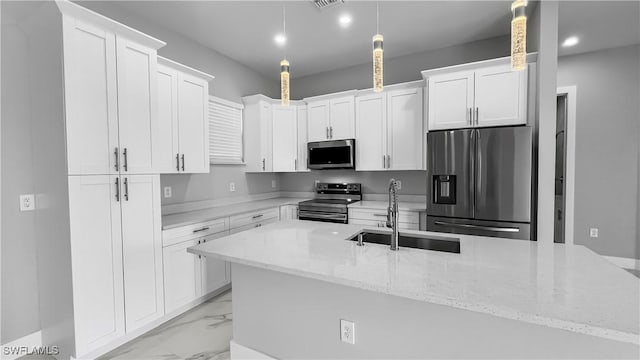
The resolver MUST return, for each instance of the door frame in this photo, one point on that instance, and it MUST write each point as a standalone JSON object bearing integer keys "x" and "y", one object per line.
{"x": 570, "y": 161}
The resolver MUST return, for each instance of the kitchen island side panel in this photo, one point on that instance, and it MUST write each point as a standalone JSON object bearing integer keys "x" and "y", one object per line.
{"x": 286, "y": 316}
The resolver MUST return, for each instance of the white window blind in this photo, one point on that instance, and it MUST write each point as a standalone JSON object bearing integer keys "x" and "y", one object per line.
{"x": 225, "y": 131}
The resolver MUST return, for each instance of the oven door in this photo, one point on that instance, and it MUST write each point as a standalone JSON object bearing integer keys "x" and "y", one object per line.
{"x": 323, "y": 216}
{"x": 335, "y": 154}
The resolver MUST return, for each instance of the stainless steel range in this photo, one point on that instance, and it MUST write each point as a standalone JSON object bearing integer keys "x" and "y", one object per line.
{"x": 330, "y": 204}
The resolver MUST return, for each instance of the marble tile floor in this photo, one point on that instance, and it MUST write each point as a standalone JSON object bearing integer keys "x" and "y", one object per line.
{"x": 202, "y": 333}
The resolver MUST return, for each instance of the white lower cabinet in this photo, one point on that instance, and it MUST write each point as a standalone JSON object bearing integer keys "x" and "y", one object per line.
{"x": 116, "y": 256}
{"x": 188, "y": 277}
{"x": 289, "y": 212}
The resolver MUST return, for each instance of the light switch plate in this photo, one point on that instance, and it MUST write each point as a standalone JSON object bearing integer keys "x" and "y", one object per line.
{"x": 593, "y": 232}
{"x": 232, "y": 186}
{"x": 399, "y": 183}
{"x": 167, "y": 192}
{"x": 27, "y": 202}
{"x": 347, "y": 331}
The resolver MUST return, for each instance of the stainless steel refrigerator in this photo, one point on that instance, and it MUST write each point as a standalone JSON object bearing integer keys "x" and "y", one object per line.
{"x": 479, "y": 181}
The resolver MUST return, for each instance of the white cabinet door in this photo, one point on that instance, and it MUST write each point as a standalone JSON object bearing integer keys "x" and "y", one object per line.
{"x": 450, "y": 100}
{"x": 318, "y": 120}
{"x": 166, "y": 129}
{"x": 288, "y": 212}
{"x": 371, "y": 132}
{"x": 96, "y": 256}
{"x": 500, "y": 96}
{"x": 285, "y": 138}
{"x": 266, "y": 137}
{"x": 193, "y": 133}
{"x": 342, "y": 124}
{"x": 137, "y": 108}
{"x": 142, "y": 249}
{"x": 214, "y": 271}
{"x": 404, "y": 129}
{"x": 182, "y": 271}
{"x": 302, "y": 139}
{"x": 90, "y": 98}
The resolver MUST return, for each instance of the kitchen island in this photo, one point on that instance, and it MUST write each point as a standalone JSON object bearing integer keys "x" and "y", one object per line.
{"x": 294, "y": 281}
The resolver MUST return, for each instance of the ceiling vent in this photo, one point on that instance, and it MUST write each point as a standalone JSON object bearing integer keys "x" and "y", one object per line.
{"x": 323, "y": 4}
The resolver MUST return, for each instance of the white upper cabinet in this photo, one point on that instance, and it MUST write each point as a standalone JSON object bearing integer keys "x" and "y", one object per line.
{"x": 371, "y": 132}
{"x": 142, "y": 249}
{"x": 285, "y": 138}
{"x": 342, "y": 118}
{"x": 258, "y": 134}
{"x": 389, "y": 130}
{"x": 91, "y": 98}
{"x": 450, "y": 100}
{"x": 485, "y": 94}
{"x": 110, "y": 98}
{"x": 302, "y": 138}
{"x": 181, "y": 133}
{"x": 500, "y": 96}
{"x": 318, "y": 120}
{"x": 331, "y": 119}
{"x": 404, "y": 129}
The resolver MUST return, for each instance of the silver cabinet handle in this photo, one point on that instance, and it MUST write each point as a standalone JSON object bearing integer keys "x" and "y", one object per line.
{"x": 380, "y": 215}
{"x": 388, "y": 161}
{"x": 177, "y": 162}
{"x": 182, "y": 162}
{"x": 263, "y": 164}
{"x": 258, "y": 225}
{"x": 117, "y": 189}
{"x": 126, "y": 189}
{"x": 202, "y": 229}
{"x": 477, "y": 120}
{"x": 199, "y": 242}
{"x": 327, "y": 131}
{"x": 126, "y": 160}
{"x": 330, "y": 132}
{"x": 470, "y": 116}
{"x": 295, "y": 164}
{"x": 257, "y": 216}
{"x": 479, "y": 227}
{"x": 117, "y": 154}
{"x": 384, "y": 161}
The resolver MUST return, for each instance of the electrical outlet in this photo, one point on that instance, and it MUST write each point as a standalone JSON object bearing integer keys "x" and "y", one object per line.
{"x": 347, "y": 331}
{"x": 399, "y": 183}
{"x": 27, "y": 202}
{"x": 232, "y": 186}
{"x": 167, "y": 192}
{"x": 273, "y": 184}
{"x": 593, "y": 232}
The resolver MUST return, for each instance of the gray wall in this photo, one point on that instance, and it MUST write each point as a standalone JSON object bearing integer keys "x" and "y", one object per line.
{"x": 607, "y": 138}
{"x": 232, "y": 81}
{"x": 20, "y": 314}
{"x": 399, "y": 69}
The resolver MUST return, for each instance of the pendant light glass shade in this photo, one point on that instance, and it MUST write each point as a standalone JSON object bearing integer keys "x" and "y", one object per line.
{"x": 284, "y": 82}
{"x": 519, "y": 35}
{"x": 378, "y": 53}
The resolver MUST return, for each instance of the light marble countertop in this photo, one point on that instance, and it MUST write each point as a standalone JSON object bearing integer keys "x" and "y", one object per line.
{"x": 381, "y": 205}
{"x": 565, "y": 287}
{"x": 193, "y": 217}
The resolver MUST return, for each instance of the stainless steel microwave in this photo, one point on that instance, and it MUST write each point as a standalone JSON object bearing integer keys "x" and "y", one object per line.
{"x": 333, "y": 154}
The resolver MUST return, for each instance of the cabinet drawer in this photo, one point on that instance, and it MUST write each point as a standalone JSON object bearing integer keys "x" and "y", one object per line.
{"x": 179, "y": 234}
{"x": 253, "y": 217}
{"x": 252, "y": 226}
{"x": 410, "y": 217}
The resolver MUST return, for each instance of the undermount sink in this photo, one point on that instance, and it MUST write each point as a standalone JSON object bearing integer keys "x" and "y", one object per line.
{"x": 415, "y": 241}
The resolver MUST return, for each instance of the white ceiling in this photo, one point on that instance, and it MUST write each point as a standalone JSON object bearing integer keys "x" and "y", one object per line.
{"x": 244, "y": 30}
{"x": 598, "y": 24}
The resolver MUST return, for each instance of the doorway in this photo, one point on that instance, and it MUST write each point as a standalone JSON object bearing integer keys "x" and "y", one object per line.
{"x": 565, "y": 165}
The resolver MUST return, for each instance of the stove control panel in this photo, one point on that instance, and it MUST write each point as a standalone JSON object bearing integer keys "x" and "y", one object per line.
{"x": 338, "y": 188}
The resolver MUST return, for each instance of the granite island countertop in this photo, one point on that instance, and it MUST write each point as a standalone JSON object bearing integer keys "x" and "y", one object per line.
{"x": 565, "y": 287}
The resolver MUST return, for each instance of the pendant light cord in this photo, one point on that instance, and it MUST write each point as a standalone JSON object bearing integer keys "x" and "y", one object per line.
{"x": 377, "y": 17}
{"x": 284, "y": 29}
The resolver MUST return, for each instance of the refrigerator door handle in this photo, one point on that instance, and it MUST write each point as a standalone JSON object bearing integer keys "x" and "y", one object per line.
{"x": 479, "y": 227}
{"x": 473, "y": 151}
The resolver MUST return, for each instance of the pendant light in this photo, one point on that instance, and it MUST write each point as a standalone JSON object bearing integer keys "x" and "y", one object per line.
{"x": 284, "y": 66}
{"x": 519, "y": 35}
{"x": 378, "y": 75}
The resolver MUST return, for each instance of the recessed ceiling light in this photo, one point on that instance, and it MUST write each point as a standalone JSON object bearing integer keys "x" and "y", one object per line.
{"x": 570, "y": 41}
{"x": 345, "y": 20}
{"x": 280, "y": 39}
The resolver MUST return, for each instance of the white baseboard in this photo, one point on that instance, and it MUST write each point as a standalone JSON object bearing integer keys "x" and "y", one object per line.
{"x": 21, "y": 346}
{"x": 238, "y": 352}
{"x": 625, "y": 263}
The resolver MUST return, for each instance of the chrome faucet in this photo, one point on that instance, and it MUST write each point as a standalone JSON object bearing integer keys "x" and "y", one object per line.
{"x": 392, "y": 213}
